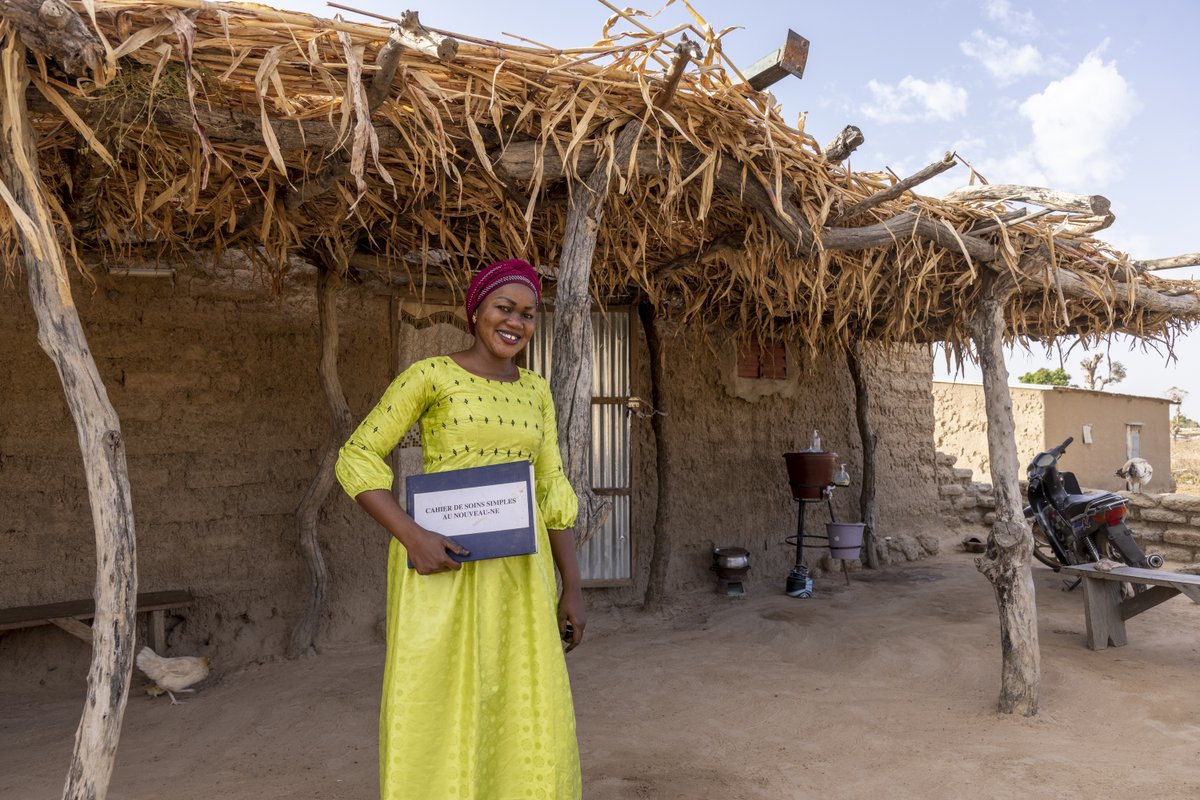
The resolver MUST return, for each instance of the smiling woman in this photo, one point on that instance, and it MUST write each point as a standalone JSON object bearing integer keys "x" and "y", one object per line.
{"x": 476, "y": 701}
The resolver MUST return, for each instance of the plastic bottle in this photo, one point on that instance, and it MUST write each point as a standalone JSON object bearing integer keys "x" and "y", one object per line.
{"x": 842, "y": 478}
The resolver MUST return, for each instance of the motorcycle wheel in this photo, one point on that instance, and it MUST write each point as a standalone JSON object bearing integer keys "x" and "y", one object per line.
{"x": 1042, "y": 550}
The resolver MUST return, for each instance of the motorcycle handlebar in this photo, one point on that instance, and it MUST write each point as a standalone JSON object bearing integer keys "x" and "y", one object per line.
{"x": 1058, "y": 451}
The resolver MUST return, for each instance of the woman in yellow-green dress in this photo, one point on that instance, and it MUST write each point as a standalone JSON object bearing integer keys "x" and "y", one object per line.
{"x": 476, "y": 701}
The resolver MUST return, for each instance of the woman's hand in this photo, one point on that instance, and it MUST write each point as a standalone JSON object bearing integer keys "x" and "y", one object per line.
{"x": 430, "y": 552}
{"x": 572, "y": 616}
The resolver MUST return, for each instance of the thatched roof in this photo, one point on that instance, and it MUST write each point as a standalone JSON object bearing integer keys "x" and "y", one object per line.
{"x": 219, "y": 125}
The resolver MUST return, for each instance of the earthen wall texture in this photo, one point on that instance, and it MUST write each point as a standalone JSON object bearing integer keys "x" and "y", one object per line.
{"x": 1109, "y": 414}
{"x": 725, "y": 456}
{"x": 1045, "y": 417}
{"x": 961, "y": 424}
{"x": 214, "y": 381}
{"x": 213, "y": 376}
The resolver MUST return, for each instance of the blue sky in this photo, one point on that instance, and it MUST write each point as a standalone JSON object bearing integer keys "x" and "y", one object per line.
{"x": 1095, "y": 97}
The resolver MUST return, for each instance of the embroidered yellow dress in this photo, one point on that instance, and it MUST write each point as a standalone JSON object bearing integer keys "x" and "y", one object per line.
{"x": 476, "y": 701}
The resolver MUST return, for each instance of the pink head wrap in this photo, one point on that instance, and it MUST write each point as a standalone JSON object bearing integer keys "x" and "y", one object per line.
{"x": 492, "y": 277}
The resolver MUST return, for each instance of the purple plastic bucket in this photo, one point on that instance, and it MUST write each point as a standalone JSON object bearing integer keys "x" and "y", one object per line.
{"x": 845, "y": 539}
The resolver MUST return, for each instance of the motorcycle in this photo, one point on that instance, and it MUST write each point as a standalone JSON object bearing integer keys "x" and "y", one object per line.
{"x": 1070, "y": 527}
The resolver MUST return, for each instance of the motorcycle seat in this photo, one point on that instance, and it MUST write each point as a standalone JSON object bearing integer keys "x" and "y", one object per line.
{"x": 1077, "y": 503}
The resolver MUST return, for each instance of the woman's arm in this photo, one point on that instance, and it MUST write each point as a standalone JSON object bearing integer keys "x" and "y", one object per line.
{"x": 571, "y": 609}
{"x": 428, "y": 551}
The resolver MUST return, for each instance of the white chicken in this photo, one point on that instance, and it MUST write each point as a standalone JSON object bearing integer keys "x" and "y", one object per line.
{"x": 172, "y": 674}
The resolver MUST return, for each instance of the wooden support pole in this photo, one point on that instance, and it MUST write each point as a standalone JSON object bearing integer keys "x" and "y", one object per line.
{"x": 1006, "y": 563}
{"x": 304, "y": 635}
{"x": 660, "y": 544}
{"x": 571, "y": 379}
{"x": 867, "y": 507}
{"x": 61, "y": 335}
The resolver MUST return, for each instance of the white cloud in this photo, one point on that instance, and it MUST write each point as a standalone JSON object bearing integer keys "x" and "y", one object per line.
{"x": 913, "y": 99}
{"x": 1022, "y": 23}
{"x": 1076, "y": 121}
{"x": 1004, "y": 60}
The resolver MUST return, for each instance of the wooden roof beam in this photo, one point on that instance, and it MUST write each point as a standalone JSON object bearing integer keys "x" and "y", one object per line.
{"x": 787, "y": 60}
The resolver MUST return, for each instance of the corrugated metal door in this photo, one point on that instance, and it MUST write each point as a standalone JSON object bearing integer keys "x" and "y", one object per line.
{"x": 607, "y": 558}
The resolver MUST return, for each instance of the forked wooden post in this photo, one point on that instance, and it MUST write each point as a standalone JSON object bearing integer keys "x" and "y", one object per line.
{"x": 867, "y": 506}
{"x": 1010, "y": 544}
{"x": 571, "y": 379}
{"x": 61, "y": 335}
{"x": 660, "y": 544}
{"x": 304, "y": 635}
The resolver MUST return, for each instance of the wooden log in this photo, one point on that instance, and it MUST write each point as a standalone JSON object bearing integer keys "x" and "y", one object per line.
{"x": 660, "y": 542}
{"x": 867, "y": 506}
{"x": 304, "y": 635}
{"x": 1007, "y": 218}
{"x": 685, "y": 51}
{"x": 98, "y": 429}
{"x": 846, "y": 142}
{"x": 1174, "y": 262}
{"x": 1090, "y": 204}
{"x": 899, "y": 188}
{"x": 906, "y": 223}
{"x": 1085, "y": 226}
{"x": 774, "y": 67}
{"x": 337, "y": 166}
{"x": 1006, "y": 563}
{"x": 386, "y": 62}
{"x": 1144, "y": 298}
{"x": 520, "y": 157}
{"x": 729, "y": 243}
{"x": 413, "y": 34}
{"x": 53, "y": 30}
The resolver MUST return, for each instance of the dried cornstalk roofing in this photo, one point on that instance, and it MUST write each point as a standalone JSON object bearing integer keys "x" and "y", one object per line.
{"x": 222, "y": 125}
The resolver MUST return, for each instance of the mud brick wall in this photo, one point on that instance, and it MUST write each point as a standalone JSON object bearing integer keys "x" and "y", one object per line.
{"x": 1167, "y": 524}
{"x": 214, "y": 380}
{"x": 963, "y": 500}
{"x": 213, "y": 375}
{"x": 726, "y": 440}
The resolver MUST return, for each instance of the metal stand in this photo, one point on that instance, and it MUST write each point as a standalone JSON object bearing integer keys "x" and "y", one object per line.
{"x": 799, "y": 580}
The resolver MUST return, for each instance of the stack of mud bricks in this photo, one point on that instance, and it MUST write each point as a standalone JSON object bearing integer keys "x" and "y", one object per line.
{"x": 963, "y": 499}
{"x": 1168, "y": 524}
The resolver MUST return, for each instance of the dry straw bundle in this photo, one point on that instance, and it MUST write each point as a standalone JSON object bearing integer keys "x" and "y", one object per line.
{"x": 220, "y": 125}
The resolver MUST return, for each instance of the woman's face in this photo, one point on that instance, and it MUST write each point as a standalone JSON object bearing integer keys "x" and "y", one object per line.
{"x": 504, "y": 321}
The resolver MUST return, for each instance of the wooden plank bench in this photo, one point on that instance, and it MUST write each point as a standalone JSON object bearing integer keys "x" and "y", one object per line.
{"x": 1104, "y": 609}
{"x": 70, "y": 615}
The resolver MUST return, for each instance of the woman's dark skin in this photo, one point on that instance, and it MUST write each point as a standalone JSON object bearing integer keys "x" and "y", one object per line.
{"x": 504, "y": 324}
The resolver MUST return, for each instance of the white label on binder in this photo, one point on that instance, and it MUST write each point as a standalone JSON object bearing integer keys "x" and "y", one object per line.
{"x": 476, "y": 509}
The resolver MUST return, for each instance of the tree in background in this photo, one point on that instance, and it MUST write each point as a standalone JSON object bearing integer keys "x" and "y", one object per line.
{"x": 1047, "y": 377}
{"x": 1178, "y": 420}
{"x": 1116, "y": 372}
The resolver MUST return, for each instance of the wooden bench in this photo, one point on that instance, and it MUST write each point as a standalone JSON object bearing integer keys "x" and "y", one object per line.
{"x": 1106, "y": 611}
{"x": 70, "y": 615}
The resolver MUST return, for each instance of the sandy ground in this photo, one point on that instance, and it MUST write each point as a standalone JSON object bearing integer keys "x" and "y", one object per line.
{"x": 885, "y": 689}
